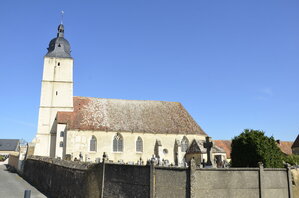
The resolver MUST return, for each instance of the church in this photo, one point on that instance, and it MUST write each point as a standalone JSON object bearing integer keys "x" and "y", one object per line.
{"x": 128, "y": 131}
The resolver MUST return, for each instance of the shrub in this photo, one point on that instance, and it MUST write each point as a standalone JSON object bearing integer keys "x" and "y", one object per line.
{"x": 252, "y": 146}
{"x": 291, "y": 159}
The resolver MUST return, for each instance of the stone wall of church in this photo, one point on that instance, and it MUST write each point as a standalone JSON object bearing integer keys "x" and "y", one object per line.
{"x": 79, "y": 142}
{"x": 59, "y": 178}
{"x": 56, "y": 95}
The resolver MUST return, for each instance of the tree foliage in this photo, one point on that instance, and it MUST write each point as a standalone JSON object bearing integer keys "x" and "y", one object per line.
{"x": 291, "y": 159}
{"x": 252, "y": 146}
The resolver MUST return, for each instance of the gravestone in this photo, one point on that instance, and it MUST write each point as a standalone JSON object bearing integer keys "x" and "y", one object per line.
{"x": 68, "y": 157}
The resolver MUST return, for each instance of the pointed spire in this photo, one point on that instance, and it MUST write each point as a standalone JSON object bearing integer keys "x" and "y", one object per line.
{"x": 61, "y": 27}
{"x": 62, "y": 13}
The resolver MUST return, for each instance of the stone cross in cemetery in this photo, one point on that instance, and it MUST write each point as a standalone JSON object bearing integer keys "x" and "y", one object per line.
{"x": 208, "y": 145}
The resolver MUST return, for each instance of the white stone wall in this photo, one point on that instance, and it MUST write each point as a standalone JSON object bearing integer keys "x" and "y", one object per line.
{"x": 79, "y": 141}
{"x": 60, "y": 139}
{"x": 56, "y": 95}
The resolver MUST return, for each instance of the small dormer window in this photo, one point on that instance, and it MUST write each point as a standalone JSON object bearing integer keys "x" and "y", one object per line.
{"x": 59, "y": 45}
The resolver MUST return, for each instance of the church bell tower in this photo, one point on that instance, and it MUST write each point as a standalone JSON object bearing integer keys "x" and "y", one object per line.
{"x": 56, "y": 90}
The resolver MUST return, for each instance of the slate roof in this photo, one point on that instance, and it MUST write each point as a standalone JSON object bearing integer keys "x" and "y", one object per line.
{"x": 197, "y": 147}
{"x": 59, "y": 47}
{"x": 296, "y": 143}
{"x": 129, "y": 116}
{"x": 9, "y": 144}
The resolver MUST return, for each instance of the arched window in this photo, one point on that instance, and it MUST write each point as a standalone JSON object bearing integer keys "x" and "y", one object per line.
{"x": 118, "y": 143}
{"x": 139, "y": 145}
{"x": 184, "y": 144}
{"x": 93, "y": 144}
{"x": 61, "y": 144}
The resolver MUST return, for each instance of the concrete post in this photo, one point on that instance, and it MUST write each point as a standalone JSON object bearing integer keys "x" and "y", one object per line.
{"x": 27, "y": 193}
{"x": 192, "y": 184}
{"x": 103, "y": 174}
{"x": 261, "y": 179}
{"x": 289, "y": 177}
{"x": 152, "y": 180}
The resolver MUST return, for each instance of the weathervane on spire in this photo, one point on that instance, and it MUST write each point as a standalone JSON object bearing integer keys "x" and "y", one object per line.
{"x": 62, "y": 12}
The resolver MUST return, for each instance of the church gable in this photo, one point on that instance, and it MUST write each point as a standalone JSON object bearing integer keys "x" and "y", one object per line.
{"x": 129, "y": 116}
{"x": 195, "y": 147}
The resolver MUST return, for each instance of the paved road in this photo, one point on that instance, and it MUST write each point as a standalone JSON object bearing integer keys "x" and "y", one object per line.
{"x": 13, "y": 186}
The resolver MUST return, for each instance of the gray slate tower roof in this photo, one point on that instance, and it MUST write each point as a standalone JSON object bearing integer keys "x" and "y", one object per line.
{"x": 59, "y": 47}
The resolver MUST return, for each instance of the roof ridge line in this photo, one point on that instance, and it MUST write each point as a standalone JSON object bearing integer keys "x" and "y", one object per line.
{"x": 126, "y": 99}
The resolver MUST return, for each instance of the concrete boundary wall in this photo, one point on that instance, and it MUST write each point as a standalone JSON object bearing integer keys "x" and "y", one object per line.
{"x": 241, "y": 182}
{"x": 59, "y": 178}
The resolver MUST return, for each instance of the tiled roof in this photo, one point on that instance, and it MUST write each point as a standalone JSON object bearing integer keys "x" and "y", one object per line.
{"x": 225, "y": 145}
{"x": 286, "y": 147}
{"x": 9, "y": 144}
{"x": 296, "y": 143}
{"x": 129, "y": 116}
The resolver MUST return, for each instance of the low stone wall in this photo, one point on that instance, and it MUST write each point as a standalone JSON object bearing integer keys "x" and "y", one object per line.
{"x": 58, "y": 178}
{"x": 13, "y": 161}
{"x": 126, "y": 180}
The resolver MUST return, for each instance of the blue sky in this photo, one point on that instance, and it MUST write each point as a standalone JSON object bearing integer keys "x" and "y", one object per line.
{"x": 232, "y": 64}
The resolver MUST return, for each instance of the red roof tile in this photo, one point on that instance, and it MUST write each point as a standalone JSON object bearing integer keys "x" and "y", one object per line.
{"x": 285, "y": 147}
{"x": 225, "y": 145}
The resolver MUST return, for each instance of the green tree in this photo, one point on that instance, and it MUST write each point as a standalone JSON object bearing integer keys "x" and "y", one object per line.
{"x": 252, "y": 146}
{"x": 291, "y": 159}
